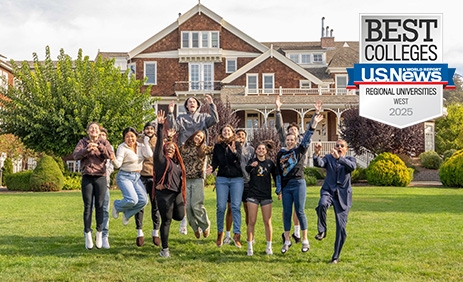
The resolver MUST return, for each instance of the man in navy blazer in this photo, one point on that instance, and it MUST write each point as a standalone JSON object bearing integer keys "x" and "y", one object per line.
{"x": 336, "y": 190}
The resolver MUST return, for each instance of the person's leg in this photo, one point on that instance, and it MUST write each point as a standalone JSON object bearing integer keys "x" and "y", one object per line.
{"x": 236, "y": 194}
{"x": 106, "y": 201}
{"x": 245, "y": 201}
{"x": 87, "y": 198}
{"x": 228, "y": 221}
{"x": 266, "y": 208}
{"x": 341, "y": 234}
{"x": 165, "y": 200}
{"x": 325, "y": 201}
{"x": 155, "y": 216}
{"x": 300, "y": 194}
{"x": 125, "y": 182}
{"x": 141, "y": 196}
{"x": 179, "y": 207}
{"x": 287, "y": 202}
{"x": 99, "y": 190}
{"x": 252, "y": 214}
{"x": 190, "y": 183}
{"x": 221, "y": 190}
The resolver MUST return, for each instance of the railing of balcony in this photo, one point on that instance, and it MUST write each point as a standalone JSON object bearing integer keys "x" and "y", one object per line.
{"x": 298, "y": 91}
{"x": 183, "y": 86}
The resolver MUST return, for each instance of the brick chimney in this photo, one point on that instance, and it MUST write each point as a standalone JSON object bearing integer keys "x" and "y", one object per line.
{"x": 326, "y": 41}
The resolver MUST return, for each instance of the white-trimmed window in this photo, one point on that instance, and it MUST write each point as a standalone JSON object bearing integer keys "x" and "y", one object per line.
{"x": 305, "y": 84}
{"x": 268, "y": 80}
{"x": 230, "y": 65}
{"x": 3, "y": 80}
{"x": 252, "y": 82}
{"x": 200, "y": 39}
{"x": 341, "y": 84}
{"x": 317, "y": 58}
{"x": 294, "y": 58}
{"x": 201, "y": 76}
{"x": 305, "y": 58}
{"x": 151, "y": 72}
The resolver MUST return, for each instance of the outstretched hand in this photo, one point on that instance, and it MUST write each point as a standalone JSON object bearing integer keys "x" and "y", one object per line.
{"x": 171, "y": 107}
{"x": 161, "y": 117}
{"x": 316, "y": 120}
{"x": 208, "y": 99}
{"x": 278, "y": 103}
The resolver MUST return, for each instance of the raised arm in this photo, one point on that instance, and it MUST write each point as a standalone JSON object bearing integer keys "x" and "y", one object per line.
{"x": 213, "y": 118}
{"x": 279, "y": 121}
{"x": 170, "y": 116}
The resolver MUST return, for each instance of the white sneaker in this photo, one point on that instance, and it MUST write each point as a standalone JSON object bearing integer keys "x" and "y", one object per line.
{"x": 183, "y": 227}
{"x": 98, "y": 239}
{"x": 227, "y": 240}
{"x": 115, "y": 212}
{"x": 269, "y": 251}
{"x": 105, "y": 243}
{"x": 88, "y": 240}
{"x": 250, "y": 252}
{"x": 125, "y": 220}
{"x": 165, "y": 253}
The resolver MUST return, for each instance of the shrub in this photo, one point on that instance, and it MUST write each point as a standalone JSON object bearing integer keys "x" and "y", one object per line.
{"x": 388, "y": 170}
{"x": 317, "y": 172}
{"x": 210, "y": 179}
{"x": 72, "y": 182}
{"x": 47, "y": 176}
{"x": 359, "y": 174}
{"x": 310, "y": 180}
{"x": 451, "y": 171}
{"x": 7, "y": 169}
{"x": 19, "y": 181}
{"x": 431, "y": 160}
{"x": 449, "y": 153}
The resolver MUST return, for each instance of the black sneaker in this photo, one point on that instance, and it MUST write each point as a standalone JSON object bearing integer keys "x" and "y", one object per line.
{"x": 296, "y": 239}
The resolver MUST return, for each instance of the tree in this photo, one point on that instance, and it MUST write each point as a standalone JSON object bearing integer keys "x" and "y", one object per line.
{"x": 449, "y": 132}
{"x": 454, "y": 96}
{"x": 362, "y": 133}
{"x": 226, "y": 116}
{"x": 50, "y": 106}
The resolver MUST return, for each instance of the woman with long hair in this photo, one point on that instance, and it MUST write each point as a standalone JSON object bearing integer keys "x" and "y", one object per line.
{"x": 129, "y": 159}
{"x": 261, "y": 170}
{"x": 194, "y": 153}
{"x": 93, "y": 151}
{"x": 226, "y": 158}
{"x": 169, "y": 183}
{"x": 291, "y": 185}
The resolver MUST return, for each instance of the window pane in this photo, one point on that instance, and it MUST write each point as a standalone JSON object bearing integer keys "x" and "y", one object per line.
{"x": 205, "y": 39}
{"x": 305, "y": 59}
{"x": 195, "y": 40}
{"x": 268, "y": 83}
{"x": 294, "y": 58}
{"x": 215, "y": 39}
{"x": 252, "y": 83}
{"x": 185, "y": 40}
{"x": 207, "y": 76}
{"x": 194, "y": 76}
{"x": 317, "y": 58}
{"x": 231, "y": 65}
{"x": 150, "y": 73}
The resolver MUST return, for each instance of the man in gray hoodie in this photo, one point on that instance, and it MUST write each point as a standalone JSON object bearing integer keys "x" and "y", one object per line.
{"x": 193, "y": 120}
{"x": 189, "y": 123}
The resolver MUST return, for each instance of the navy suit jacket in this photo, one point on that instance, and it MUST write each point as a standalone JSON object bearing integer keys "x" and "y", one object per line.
{"x": 338, "y": 177}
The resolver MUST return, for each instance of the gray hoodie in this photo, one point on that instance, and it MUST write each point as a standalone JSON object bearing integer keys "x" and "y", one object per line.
{"x": 189, "y": 123}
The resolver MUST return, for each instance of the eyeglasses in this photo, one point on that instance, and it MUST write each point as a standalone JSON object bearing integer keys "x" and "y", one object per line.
{"x": 340, "y": 145}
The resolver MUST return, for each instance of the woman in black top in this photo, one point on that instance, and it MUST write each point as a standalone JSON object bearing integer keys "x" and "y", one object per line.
{"x": 261, "y": 170}
{"x": 169, "y": 183}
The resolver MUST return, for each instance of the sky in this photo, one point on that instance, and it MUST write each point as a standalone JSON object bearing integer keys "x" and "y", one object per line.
{"x": 28, "y": 26}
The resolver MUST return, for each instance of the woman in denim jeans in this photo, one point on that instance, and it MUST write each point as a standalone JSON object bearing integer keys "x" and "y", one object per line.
{"x": 291, "y": 185}
{"x": 226, "y": 157}
{"x": 129, "y": 159}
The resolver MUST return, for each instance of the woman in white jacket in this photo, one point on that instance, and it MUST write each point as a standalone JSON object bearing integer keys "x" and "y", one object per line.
{"x": 129, "y": 159}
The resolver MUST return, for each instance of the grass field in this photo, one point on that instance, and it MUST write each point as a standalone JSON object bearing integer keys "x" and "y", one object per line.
{"x": 394, "y": 234}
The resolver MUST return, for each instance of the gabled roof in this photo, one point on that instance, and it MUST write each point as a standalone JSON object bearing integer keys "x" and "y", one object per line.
{"x": 343, "y": 56}
{"x": 269, "y": 54}
{"x": 199, "y": 8}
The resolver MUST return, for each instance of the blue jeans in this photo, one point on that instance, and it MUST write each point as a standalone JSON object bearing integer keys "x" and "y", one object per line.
{"x": 234, "y": 187}
{"x": 294, "y": 192}
{"x": 106, "y": 214}
{"x": 133, "y": 191}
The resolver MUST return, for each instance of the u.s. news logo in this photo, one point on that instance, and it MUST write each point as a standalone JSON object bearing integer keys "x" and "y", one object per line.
{"x": 416, "y": 74}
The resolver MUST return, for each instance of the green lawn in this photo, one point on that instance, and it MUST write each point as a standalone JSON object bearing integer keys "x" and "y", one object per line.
{"x": 394, "y": 234}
